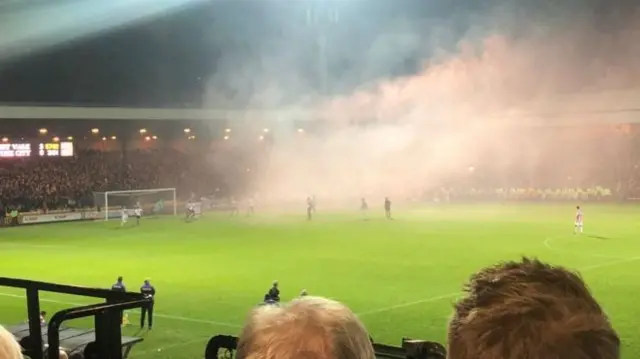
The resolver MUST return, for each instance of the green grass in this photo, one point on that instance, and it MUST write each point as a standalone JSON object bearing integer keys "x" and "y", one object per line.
{"x": 401, "y": 276}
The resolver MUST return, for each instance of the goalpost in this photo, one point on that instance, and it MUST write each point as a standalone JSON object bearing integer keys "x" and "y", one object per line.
{"x": 147, "y": 198}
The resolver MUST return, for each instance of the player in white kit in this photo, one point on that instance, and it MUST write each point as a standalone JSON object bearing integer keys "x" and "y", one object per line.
{"x": 579, "y": 221}
{"x": 138, "y": 213}
{"x": 124, "y": 215}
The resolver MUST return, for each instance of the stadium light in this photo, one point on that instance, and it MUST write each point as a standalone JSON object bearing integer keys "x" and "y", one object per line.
{"x": 300, "y": 130}
{"x": 227, "y": 130}
{"x": 104, "y": 138}
{"x": 69, "y": 138}
{"x": 56, "y": 139}
{"x": 147, "y": 138}
{"x": 192, "y": 137}
{"x": 154, "y": 137}
{"x": 43, "y": 131}
{"x": 226, "y": 138}
{"x": 114, "y": 138}
{"x": 261, "y": 138}
{"x": 5, "y": 139}
{"x": 143, "y": 131}
{"x": 187, "y": 130}
{"x": 95, "y": 131}
{"x": 266, "y": 130}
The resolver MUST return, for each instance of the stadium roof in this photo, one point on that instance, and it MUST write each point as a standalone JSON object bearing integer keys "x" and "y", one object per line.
{"x": 116, "y": 113}
{"x": 613, "y": 107}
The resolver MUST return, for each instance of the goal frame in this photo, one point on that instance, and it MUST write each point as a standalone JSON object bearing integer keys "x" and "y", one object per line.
{"x": 107, "y": 193}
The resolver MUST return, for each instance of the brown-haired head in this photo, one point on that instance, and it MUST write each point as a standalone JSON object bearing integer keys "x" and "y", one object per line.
{"x": 306, "y": 328}
{"x": 529, "y": 309}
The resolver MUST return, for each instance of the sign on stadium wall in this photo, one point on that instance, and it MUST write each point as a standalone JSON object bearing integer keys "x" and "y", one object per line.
{"x": 49, "y": 218}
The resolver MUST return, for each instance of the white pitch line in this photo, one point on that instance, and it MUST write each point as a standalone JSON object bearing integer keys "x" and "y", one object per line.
{"x": 408, "y": 304}
{"x": 159, "y": 315}
{"x": 547, "y": 243}
{"x": 451, "y": 295}
{"x": 365, "y": 313}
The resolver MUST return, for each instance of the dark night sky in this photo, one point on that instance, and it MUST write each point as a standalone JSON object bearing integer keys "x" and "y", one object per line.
{"x": 168, "y": 61}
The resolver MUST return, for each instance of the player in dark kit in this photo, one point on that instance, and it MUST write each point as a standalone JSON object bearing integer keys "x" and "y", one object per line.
{"x": 310, "y": 208}
{"x": 149, "y": 292}
{"x": 364, "y": 207}
{"x": 387, "y": 207}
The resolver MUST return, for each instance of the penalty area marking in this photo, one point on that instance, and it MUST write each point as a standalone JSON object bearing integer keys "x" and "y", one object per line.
{"x": 365, "y": 313}
{"x": 547, "y": 244}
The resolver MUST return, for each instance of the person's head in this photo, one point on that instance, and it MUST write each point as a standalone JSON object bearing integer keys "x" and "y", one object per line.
{"x": 275, "y": 284}
{"x": 43, "y": 314}
{"x": 9, "y": 347}
{"x": 577, "y": 207}
{"x": 529, "y": 309}
{"x": 147, "y": 282}
{"x": 304, "y": 293}
{"x": 309, "y": 327}
{"x": 120, "y": 279}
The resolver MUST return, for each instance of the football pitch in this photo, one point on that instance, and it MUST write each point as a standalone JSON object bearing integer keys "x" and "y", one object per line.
{"x": 400, "y": 276}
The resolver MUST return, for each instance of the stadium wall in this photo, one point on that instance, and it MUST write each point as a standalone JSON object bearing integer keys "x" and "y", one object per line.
{"x": 83, "y": 215}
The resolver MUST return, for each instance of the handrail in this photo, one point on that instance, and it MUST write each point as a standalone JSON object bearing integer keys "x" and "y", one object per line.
{"x": 53, "y": 330}
{"x": 105, "y": 317}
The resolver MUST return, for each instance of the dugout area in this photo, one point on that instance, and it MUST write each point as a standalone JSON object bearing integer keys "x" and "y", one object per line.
{"x": 105, "y": 341}
{"x": 45, "y": 340}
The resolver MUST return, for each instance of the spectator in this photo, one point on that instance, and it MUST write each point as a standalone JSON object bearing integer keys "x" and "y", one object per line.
{"x": 9, "y": 347}
{"x": 274, "y": 292}
{"x": 52, "y": 184}
{"x": 529, "y": 309}
{"x": 309, "y": 327}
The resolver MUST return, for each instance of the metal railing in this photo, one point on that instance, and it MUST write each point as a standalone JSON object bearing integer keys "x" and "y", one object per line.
{"x": 108, "y": 339}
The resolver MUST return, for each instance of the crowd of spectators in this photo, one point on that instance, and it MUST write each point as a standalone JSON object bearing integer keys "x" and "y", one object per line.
{"x": 59, "y": 183}
{"x": 512, "y": 310}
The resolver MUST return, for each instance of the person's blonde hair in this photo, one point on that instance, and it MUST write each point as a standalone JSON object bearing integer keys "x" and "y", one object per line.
{"x": 9, "y": 347}
{"x": 305, "y": 328}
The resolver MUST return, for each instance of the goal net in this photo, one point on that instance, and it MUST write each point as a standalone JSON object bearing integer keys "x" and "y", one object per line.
{"x": 152, "y": 201}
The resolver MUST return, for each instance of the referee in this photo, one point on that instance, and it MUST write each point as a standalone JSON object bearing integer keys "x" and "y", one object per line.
{"x": 149, "y": 292}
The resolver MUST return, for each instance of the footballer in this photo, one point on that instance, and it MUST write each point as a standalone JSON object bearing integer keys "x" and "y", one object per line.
{"x": 578, "y": 227}
{"x": 191, "y": 211}
{"x": 138, "y": 213}
{"x": 124, "y": 215}
{"x": 364, "y": 206}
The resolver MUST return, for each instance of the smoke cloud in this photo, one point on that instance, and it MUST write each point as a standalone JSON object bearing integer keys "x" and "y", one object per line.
{"x": 507, "y": 102}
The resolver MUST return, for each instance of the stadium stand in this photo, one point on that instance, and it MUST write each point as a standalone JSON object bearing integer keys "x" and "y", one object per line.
{"x": 53, "y": 184}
